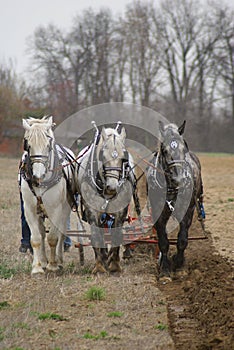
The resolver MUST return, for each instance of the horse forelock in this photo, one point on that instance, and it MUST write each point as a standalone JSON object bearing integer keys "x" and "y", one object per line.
{"x": 38, "y": 135}
{"x": 110, "y": 132}
{"x": 113, "y": 139}
{"x": 171, "y": 130}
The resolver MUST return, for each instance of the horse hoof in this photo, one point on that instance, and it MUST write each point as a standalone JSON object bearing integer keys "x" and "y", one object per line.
{"x": 165, "y": 278}
{"x": 181, "y": 273}
{"x": 52, "y": 268}
{"x": 127, "y": 254}
{"x": 114, "y": 266}
{"x": 99, "y": 268}
{"x": 177, "y": 262}
{"x": 37, "y": 271}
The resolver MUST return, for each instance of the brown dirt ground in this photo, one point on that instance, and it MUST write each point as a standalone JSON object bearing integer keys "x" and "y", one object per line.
{"x": 194, "y": 311}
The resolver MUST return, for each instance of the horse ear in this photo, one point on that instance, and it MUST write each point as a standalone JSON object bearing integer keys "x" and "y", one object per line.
{"x": 123, "y": 134}
{"x": 26, "y": 125}
{"x": 181, "y": 128}
{"x": 103, "y": 134}
{"x": 50, "y": 122}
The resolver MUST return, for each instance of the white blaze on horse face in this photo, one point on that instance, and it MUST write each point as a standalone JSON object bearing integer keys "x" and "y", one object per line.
{"x": 39, "y": 168}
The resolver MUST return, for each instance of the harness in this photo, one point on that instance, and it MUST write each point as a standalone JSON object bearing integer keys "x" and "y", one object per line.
{"x": 160, "y": 177}
{"x": 96, "y": 176}
{"x": 97, "y": 179}
{"x": 56, "y": 169}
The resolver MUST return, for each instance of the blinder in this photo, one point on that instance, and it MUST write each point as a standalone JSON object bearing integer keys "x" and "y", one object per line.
{"x": 124, "y": 159}
{"x": 25, "y": 145}
{"x": 37, "y": 158}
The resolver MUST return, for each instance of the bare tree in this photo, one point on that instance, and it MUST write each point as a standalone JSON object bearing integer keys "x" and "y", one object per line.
{"x": 53, "y": 60}
{"x": 144, "y": 58}
{"x": 186, "y": 45}
{"x": 224, "y": 53}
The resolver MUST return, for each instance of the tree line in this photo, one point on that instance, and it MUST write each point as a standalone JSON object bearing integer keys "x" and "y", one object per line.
{"x": 176, "y": 57}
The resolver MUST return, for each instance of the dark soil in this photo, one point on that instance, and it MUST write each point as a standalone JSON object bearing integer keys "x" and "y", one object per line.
{"x": 200, "y": 304}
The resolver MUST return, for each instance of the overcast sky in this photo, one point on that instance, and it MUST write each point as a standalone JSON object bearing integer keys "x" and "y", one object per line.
{"x": 19, "y": 19}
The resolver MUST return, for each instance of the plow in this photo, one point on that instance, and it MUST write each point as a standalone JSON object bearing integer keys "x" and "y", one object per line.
{"x": 136, "y": 231}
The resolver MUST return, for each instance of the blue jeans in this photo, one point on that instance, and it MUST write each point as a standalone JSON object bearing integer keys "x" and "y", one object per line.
{"x": 67, "y": 239}
{"x": 26, "y": 233}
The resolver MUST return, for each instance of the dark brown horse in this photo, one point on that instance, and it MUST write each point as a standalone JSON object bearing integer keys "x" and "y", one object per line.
{"x": 174, "y": 189}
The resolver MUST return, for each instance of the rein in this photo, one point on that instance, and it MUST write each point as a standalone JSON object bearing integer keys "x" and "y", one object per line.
{"x": 146, "y": 161}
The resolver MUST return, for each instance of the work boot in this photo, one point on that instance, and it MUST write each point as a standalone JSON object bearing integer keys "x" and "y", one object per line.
{"x": 24, "y": 248}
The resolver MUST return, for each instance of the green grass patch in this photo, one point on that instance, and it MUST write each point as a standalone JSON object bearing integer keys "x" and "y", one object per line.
{"x": 87, "y": 270}
{"x": 71, "y": 267}
{"x": 161, "y": 326}
{"x": 102, "y": 334}
{"x": 230, "y": 199}
{"x": 51, "y": 316}
{"x": 115, "y": 314}
{"x": 10, "y": 269}
{"x": 21, "y": 325}
{"x": 2, "y": 333}
{"x": 6, "y": 272}
{"x": 4, "y": 305}
{"x": 95, "y": 293}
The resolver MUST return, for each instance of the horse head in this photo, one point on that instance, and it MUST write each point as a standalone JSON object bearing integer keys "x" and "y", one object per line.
{"x": 112, "y": 156}
{"x": 173, "y": 153}
{"x": 38, "y": 139}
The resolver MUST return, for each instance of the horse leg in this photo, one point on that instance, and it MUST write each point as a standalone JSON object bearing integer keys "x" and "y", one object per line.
{"x": 116, "y": 241}
{"x": 99, "y": 263}
{"x": 59, "y": 250}
{"x": 52, "y": 239}
{"x": 127, "y": 254}
{"x": 114, "y": 260}
{"x": 182, "y": 241}
{"x": 163, "y": 243}
{"x": 42, "y": 250}
{"x": 98, "y": 244}
{"x": 36, "y": 241}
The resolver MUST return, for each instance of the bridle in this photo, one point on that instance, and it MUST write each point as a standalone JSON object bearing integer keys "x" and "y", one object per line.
{"x": 39, "y": 158}
{"x": 99, "y": 176}
{"x": 107, "y": 171}
{"x": 162, "y": 166}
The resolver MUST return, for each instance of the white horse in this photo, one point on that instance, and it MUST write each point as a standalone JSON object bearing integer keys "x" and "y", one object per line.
{"x": 46, "y": 187}
{"x": 106, "y": 185}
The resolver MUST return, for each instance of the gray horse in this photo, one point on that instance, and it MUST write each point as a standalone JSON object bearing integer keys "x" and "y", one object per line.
{"x": 105, "y": 181}
{"x": 174, "y": 189}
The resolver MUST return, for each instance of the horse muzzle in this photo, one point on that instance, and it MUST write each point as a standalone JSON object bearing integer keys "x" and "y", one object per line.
{"x": 112, "y": 186}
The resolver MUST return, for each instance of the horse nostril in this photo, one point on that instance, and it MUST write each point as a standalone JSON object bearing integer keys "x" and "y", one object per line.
{"x": 110, "y": 189}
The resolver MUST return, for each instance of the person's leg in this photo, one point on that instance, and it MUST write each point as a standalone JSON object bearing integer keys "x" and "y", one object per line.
{"x": 26, "y": 234}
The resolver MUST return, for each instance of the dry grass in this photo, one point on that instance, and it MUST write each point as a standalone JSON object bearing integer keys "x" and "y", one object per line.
{"x": 134, "y": 295}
